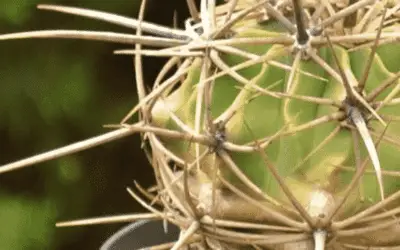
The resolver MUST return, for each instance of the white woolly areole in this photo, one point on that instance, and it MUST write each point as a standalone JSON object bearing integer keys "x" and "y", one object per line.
{"x": 320, "y": 203}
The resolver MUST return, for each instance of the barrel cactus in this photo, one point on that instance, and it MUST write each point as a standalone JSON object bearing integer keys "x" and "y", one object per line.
{"x": 273, "y": 125}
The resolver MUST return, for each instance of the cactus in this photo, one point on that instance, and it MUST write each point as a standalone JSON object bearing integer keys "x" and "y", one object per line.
{"x": 277, "y": 128}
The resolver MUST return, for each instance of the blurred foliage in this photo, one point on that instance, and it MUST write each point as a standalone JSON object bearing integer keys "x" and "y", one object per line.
{"x": 16, "y": 12}
{"x": 56, "y": 92}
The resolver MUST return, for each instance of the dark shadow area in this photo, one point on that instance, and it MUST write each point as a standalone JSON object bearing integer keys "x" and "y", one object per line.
{"x": 56, "y": 92}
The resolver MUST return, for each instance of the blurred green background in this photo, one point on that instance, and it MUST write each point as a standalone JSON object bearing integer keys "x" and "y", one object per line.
{"x": 56, "y": 92}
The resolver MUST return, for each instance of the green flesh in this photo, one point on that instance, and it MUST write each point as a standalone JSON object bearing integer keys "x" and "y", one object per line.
{"x": 265, "y": 115}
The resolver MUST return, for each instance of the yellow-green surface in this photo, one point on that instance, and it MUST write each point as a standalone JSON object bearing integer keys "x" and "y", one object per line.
{"x": 264, "y": 116}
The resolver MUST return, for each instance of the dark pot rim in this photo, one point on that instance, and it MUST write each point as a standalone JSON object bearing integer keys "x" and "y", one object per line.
{"x": 141, "y": 234}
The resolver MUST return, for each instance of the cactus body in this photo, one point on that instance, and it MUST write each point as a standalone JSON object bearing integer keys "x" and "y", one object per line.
{"x": 304, "y": 123}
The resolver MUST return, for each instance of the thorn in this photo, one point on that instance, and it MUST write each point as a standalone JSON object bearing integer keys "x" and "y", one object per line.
{"x": 281, "y": 18}
{"x": 194, "y": 12}
{"x": 174, "y": 79}
{"x": 359, "y": 122}
{"x": 110, "y": 37}
{"x": 108, "y": 220}
{"x": 351, "y": 20}
{"x": 365, "y": 75}
{"x": 69, "y": 149}
{"x": 344, "y": 13}
{"x": 302, "y": 35}
{"x": 165, "y": 226}
{"x": 186, "y": 236}
{"x": 355, "y": 179}
{"x": 138, "y": 65}
{"x": 117, "y": 19}
{"x": 187, "y": 192}
{"x": 352, "y": 95}
{"x": 319, "y": 239}
{"x": 293, "y": 72}
{"x": 232, "y": 21}
{"x": 283, "y": 185}
{"x": 232, "y": 7}
{"x": 363, "y": 214}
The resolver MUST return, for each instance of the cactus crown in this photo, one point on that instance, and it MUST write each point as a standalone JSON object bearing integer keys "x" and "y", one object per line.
{"x": 257, "y": 138}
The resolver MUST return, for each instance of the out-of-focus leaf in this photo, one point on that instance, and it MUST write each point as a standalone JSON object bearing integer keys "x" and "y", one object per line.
{"x": 29, "y": 223}
{"x": 17, "y": 12}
